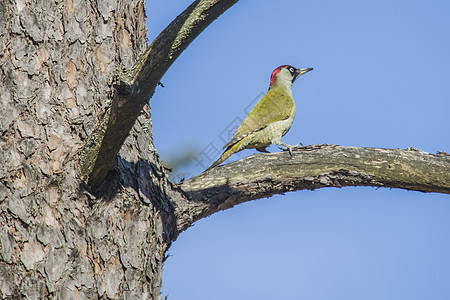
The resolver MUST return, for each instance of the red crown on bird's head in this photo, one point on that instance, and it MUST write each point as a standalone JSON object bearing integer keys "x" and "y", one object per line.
{"x": 275, "y": 72}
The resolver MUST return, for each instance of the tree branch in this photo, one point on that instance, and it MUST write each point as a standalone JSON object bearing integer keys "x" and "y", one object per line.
{"x": 312, "y": 167}
{"x": 134, "y": 87}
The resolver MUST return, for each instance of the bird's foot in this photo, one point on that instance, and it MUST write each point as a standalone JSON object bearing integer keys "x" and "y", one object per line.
{"x": 290, "y": 147}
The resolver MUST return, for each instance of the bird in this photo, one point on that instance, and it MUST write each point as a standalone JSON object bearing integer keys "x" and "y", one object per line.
{"x": 270, "y": 118}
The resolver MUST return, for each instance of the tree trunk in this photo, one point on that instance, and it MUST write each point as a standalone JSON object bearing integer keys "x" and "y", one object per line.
{"x": 58, "y": 240}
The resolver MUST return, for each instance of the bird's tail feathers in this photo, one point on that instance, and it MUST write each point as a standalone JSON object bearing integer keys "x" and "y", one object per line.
{"x": 227, "y": 153}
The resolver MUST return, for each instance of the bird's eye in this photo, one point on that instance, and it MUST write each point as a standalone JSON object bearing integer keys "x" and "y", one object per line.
{"x": 291, "y": 70}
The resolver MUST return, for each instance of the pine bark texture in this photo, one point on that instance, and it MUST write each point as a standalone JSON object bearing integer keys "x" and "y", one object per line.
{"x": 58, "y": 240}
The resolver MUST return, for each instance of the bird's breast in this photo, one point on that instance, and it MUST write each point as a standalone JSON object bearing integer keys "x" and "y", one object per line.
{"x": 283, "y": 126}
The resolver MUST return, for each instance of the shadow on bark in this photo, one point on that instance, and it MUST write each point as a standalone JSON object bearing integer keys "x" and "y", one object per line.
{"x": 149, "y": 184}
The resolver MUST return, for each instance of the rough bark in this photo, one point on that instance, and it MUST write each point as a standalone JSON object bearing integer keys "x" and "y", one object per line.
{"x": 312, "y": 167}
{"x": 58, "y": 240}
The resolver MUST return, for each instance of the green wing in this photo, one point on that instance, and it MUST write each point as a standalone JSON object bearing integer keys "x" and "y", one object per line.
{"x": 276, "y": 105}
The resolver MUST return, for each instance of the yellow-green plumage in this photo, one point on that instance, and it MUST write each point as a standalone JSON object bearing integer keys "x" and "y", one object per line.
{"x": 270, "y": 118}
{"x": 275, "y": 106}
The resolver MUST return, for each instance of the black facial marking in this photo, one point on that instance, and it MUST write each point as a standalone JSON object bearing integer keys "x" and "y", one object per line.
{"x": 291, "y": 69}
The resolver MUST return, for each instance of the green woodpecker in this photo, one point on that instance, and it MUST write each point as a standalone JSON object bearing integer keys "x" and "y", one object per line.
{"x": 270, "y": 119}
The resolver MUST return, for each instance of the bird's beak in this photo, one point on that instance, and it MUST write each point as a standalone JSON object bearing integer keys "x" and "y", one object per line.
{"x": 299, "y": 72}
{"x": 302, "y": 71}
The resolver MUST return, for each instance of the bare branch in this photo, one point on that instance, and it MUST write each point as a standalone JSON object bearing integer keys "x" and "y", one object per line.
{"x": 134, "y": 87}
{"x": 312, "y": 167}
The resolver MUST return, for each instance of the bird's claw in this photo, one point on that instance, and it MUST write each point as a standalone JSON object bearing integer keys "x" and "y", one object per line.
{"x": 290, "y": 147}
{"x": 290, "y": 150}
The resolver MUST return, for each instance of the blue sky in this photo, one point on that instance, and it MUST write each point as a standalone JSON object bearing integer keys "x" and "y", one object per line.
{"x": 381, "y": 79}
